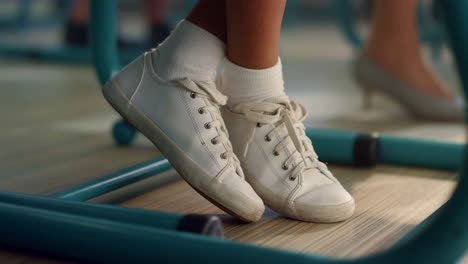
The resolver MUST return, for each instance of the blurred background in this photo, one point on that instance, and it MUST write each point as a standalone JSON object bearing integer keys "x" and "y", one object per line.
{"x": 50, "y": 92}
{"x": 56, "y": 124}
{"x": 44, "y": 43}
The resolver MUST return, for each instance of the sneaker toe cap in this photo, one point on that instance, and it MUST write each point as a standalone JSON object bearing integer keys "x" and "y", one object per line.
{"x": 238, "y": 198}
{"x": 330, "y": 203}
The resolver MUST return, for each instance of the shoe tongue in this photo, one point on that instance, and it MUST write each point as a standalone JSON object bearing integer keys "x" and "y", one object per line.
{"x": 281, "y": 100}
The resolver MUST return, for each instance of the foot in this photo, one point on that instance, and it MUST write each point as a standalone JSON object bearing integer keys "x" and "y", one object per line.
{"x": 183, "y": 120}
{"x": 280, "y": 163}
{"x": 372, "y": 77}
{"x": 412, "y": 70}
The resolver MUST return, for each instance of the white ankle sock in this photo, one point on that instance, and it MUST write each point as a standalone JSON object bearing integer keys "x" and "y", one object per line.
{"x": 242, "y": 84}
{"x": 189, "y": 52}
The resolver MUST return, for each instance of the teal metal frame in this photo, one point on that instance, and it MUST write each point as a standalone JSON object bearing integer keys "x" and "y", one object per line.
{"x": 104, "y": 233}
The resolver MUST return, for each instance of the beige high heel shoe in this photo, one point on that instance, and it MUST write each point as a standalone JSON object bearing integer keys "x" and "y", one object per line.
{"x": 372, "y": 78}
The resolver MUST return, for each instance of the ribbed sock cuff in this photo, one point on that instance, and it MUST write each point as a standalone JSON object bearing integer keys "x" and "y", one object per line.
{"x": 242, "y": 84}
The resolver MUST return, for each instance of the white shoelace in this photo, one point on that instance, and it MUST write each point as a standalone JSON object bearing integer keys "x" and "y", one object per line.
{"x": 287, "y": 116}
{"x": 215, "y": 99}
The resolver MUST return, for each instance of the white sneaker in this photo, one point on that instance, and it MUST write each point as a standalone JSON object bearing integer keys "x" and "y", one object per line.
{"x": 182, "y": 118}
{"x": 280, "y": 163}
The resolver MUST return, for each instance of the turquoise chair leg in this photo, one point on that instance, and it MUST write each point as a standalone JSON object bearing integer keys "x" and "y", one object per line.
{"x": 449, "y": 223}
{"x": 103, "y": 35}
{"x": 123, "y": 133}
{"x": 114, "y": 181}
{"x": 201, "y": 224}
{"x": 456, "y": 23}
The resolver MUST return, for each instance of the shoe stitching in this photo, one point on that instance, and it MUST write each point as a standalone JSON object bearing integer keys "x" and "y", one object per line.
{"x": 142, "y": 76}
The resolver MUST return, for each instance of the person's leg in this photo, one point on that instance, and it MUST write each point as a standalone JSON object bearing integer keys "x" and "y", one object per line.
{"x": 156, "y": 11}
{"x": 156, "y": 16}
{"x": 394, "y": 44}
{"x": 252, "y": 70}
{"x": 265, "y": 126}
{"x": 76, "y": 30}
{"x": 211, "y": 16}
{"x": 253, "y": 32}
{"x": 80, "y": 12}
{"x": 169, "y": 94}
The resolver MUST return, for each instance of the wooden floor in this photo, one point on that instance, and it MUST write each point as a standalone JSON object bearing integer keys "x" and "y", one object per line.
{"x": 56, "y": 135}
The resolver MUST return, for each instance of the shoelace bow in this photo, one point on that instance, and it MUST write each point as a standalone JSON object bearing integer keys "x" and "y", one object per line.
{"x": 283, "y": 113}
{"x": 216, "y": 98}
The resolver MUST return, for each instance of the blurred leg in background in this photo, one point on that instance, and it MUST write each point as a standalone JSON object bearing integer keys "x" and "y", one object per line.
{"x": 394, "y": 44}
{"x": 156, "y": 15}
{"x": 76, "y": 31}
{"x": 156, "y": 11}
{"x": 393, "y": 64}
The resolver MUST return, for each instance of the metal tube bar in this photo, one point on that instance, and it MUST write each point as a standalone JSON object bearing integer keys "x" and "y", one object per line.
{"x": 202, "y": 224}
{"x": 352, "y": 147}
{"x": 152, "y": 219}
{"x": 104, "y": 241}
{"x": 87, "y": 238}
{"x": 114, "y": 181}
{"x": 419, "y": 152}
{"x": 103, "y": 35}
{"x": 332, "y": 146}
{"x": 457, "y": 29}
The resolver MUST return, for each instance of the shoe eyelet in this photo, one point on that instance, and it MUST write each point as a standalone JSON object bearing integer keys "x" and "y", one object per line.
{"x": 291, "y": 178}
{"x": 259, "y": 125}
{"x": 193, "y": 95}
{"x": 214, "y": 141}
{"x": 201, "y": 110}
{"x": 276, "y": 153}
{"x": 284, "y": 167}
{"x": 223, "y": 155}
{"x": 267, "y": 138}
{"x": 207, "y": 125}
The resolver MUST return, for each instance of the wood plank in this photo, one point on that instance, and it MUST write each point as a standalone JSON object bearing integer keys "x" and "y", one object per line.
{"x": 390, "y": 202}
